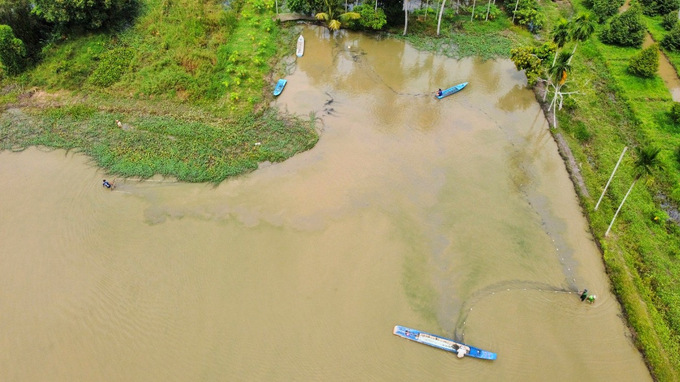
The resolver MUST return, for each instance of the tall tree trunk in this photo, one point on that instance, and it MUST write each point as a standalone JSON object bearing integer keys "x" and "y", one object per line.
{"x": 473, "y": 10}
{"x": 405, "y": 16}
{"x": 513, "y": 12}
{"x": 572, "y": 53}
{"x": 611, "y": 177}
{"x": 621, "y": 205}
{"x": 488, "y": 9}
{"x": 376, "y": 5}
{"x": 427, "y": 8}
{"x": 441, "y": 12}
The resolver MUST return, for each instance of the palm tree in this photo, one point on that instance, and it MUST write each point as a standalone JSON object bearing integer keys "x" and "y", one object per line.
{"x": 335, "y": 22}
{"x": 560, "y": 34}
{"x": 646, "y": 162}
{"x": 582, "y": 28}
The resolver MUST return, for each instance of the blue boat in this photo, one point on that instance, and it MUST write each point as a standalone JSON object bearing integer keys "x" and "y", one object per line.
{"x": 452, "y": 90}
{"x": 279, "y": 86}
{"x": 459, "y": 348}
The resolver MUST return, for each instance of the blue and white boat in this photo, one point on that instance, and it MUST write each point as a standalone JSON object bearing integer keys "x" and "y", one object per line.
{"x": 459, "y": 348}
{"x": 452, "y": 90}
{"x": 279, "y": 86}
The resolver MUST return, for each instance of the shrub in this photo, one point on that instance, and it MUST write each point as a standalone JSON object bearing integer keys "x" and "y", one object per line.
{"x": 527, "y": 13}
{"x": 370, "y": 19}
{"x": 659, "y": 7}
{"x": 604, "y": 9}
{"x": 92, "y": 14}
{"x": 625, "y": 29}
{"x": 671, "y": 41}
{"x": 669, "y": 20}
{"x": 12, "y": 51}
{"x": 480, "y": 12}
{"x": 645, "y": 63}
{"x": 675, "y": 112}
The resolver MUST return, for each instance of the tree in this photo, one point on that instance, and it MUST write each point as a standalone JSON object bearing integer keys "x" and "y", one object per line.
{"x": 645, "y": 63}
{"x": 671, "y": 40}
{"x": 26, "y": 26}
{"x": 91, "y": 14}
{"x": 12, "y": 51}
{"x": 405, "y": 16}
{"x": 669, "y": 20}
{"x": 370, "y": 18}
{"x": 625, "y": 29}
{"x": 603, "y": 9}
{"x": 305, "y": 7}
{"x": 582, "y": 28}
{"x": 645, "y": 164}
{"x": 659, "y": 7}
{"x": 333, "y": 17}
{"x": 441, "y": 12}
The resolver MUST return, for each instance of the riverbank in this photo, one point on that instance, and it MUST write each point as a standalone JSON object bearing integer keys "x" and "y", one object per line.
{"x": 641, "y": 254}
{"x": 189, "y": 84}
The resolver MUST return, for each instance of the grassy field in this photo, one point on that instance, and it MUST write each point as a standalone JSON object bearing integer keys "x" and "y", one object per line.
{"x": 189, "y": 81}
{"x": 642, "y": 253}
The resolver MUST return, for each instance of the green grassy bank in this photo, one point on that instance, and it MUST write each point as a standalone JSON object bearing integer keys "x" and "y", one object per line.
{"x": 642, "y": 253}
{"x": 190, "y": 82}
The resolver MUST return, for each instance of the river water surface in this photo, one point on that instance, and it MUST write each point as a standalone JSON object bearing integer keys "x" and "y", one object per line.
{"x": 452, "y": 216}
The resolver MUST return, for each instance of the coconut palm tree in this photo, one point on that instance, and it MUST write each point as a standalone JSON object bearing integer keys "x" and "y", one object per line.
{"x": 333, "y": 19}
{"x": 645, "y": 164}
{"x": 582, "y": 28}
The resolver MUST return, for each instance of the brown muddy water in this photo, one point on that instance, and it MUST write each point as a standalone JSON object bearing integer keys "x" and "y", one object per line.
{"x": 452, "y": 216}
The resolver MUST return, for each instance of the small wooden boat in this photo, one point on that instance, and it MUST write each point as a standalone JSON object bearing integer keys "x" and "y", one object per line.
{"x": 279, "y": 86}
{"x": 300, "y": 46}
{"x": 452, "y": 346}
{"x": 452, "y": 90}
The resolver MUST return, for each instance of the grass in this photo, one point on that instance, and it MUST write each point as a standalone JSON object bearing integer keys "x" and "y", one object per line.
{"x": 189, "y": 79}
{"x": 642, "y": 254}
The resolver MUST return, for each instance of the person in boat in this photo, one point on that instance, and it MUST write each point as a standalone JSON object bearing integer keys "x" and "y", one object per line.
{"x": 584, "y": 295}
{"x": 439, "y": 93}
{"x": 107, "y": 184}
{"x": 591, "y": 298}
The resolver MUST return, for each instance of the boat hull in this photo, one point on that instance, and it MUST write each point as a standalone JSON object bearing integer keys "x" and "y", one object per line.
{"x": 442, "y": 343}
{"x": 279, "y": 86}
{"x": 452, "y": 90}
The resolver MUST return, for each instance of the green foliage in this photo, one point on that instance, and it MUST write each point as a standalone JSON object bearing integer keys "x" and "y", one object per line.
{"x": 669, "y": 20}
{"x": 646, "y": 63}
{"x": 480, "y": 12}
{"x": 604, "y": 9}
{"x": 91, "y": 14}
{"x": 526, "y": 59}
{"x": 527, "y": 14}
{"x": 671, "y": 41}
{"x": 306, "y": 7}
{"x": 659, "y": 7}
{"x": 370, "y": 19}
{"x": 12, "y": 51}
{"x": 27, "y": 27}
{"x": 112, "y": 65}
{"x": 675, "y": 112}
{"x": 625, "y": 29}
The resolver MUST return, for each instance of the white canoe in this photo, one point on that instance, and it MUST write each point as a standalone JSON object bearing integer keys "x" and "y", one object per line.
{"x": 300, "y": 46}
